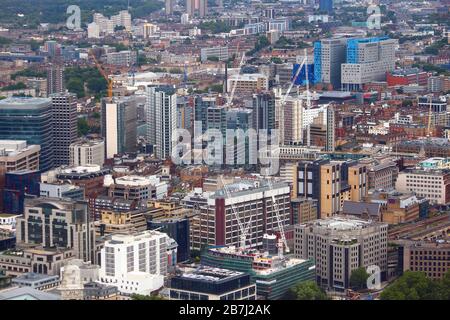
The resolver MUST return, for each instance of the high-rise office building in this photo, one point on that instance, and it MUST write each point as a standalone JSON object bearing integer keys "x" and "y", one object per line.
{"x": 329, "y": 55}
{"x": 169, "y": 7}
{"x": 367, "y": 60}
{"x": 55, "y": 79}
{"x": 87, "y": 151}
{"x": 340, "y": 245}
{"x": 118, "y": 128}
{"x": 201, "y": 105}
{"x": 65, "y": 129}
{"x": 203, "y": 8}
{"x": 53, "y": 222}
{"x": 326, "y": 6}
{"x": 190, "y": 7}
{"x": 263, "y": 111}
{"x": 135, "y": 263}
{"x": 29, "y": 119}
{"x": 217, "y": 223}
{"x": 161, "y": 117}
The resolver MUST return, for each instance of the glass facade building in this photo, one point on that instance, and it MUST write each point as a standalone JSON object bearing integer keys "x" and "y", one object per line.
{"x": 18, "y": 185}
{"x": 177, "y": 229}
{"x": 29, "y": 119}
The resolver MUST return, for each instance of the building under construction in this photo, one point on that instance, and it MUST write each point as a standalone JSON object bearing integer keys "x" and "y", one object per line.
{"x": 274, "y": 275}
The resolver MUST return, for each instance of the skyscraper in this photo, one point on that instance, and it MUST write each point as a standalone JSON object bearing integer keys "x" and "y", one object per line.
{"x": 169, "y": 7}
{"x": 329, "y": 54}
{"x": 190, "y": 7}
{"x": 161, "y": 117}
{"x": 326, "y": 6}
{"x": 367, "y": 60}
{"x": 331, "y": 126}
{"x": 203, "y": 8}
{"x": 55, "y": 79}
{"x": 64, "y": 112}
{"x": 119, "y": 122}
{"x": 263, "y": 111}
{"x": 29, "y": 119}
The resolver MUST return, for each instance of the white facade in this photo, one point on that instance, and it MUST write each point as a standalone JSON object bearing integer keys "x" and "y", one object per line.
{"x": 87, "y": 152}
{"x": 185, "y": 18}
{"x": 149, "y": 30}
{"x": 430, "y": 184}
{"x": 374, "y": 60}
{"x": 135, "y": 263}
{"x": 93, "y": 31}
{"x": 161, "y": 116}
{"x": 220, "y": 52}
{"x": 112, "y": 147}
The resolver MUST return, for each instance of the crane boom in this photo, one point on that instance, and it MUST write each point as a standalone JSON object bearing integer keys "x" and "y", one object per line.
{"x": 242, "y": 229}
{"x": 104, "y": 74}
{"x": 279, "y": 222}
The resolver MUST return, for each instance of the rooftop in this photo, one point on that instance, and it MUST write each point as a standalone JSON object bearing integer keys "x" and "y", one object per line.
{"x": 210, "y": 274}
{"x": 24, "y": 103}
{"x": 26, "y": 293}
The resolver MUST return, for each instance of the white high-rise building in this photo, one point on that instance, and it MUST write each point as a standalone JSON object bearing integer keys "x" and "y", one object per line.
{"x": 149, "y": 29}
{"x": 105, "y": 25}
{"x": 136, "y": 263}
{"x": 161, "y": 117}
{"x": 87, "y": 151}
{"x": 367, "y": 60}
{"x": 185, "y": 18}
{"x": 93, "y": 31}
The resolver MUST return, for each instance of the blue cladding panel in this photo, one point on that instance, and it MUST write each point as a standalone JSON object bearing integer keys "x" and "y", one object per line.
{"x": 317, "y": 62}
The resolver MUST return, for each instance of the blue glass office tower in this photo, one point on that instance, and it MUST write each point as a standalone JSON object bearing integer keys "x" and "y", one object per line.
{"x": 19, "y": 185}
{"x": 29, "y": 119}
{"x": 326, "y": 6}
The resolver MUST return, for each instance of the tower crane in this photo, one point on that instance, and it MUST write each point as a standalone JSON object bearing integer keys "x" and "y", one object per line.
{"x": 308, "y": 100}
{"x": 103, "y": 73}
{"x": 243, "y": 230}
{"x": 233, "y": 90}
{"x": 284, "y": 98}
{"x": 280, "y": 224}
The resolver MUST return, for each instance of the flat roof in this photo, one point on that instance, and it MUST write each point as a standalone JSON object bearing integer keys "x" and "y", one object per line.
{"x": 24, "y": 103}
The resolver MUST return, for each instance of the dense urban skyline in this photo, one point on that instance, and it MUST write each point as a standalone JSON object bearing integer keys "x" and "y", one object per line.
{"x": 225, "y": 150}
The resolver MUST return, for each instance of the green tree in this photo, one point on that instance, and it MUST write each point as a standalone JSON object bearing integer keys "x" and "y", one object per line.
{"x": 75, "y": 85}
{"x": 145, "y": 297}
{"x": 17, "y": 86}
{"x": 407, "y": 103}
{"x": 413, "y": 286}
{"x": 308, "y": 290}
{"x": 276, "y": 60}
{"x": 97, "y": 85}
{"x": 358, "y": 278}
{"x": 83, "y": 127}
